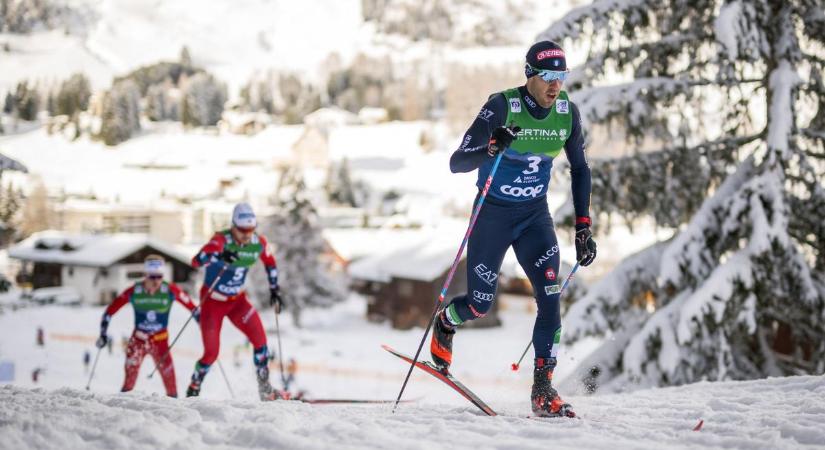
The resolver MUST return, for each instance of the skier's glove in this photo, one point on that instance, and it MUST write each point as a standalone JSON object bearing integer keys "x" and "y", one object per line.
{"x": 196, "y": 314}
{"x": 275, "y": 299}
{"x": 229, "y": 256}
{"x": 501, "y": 139}
{"x": 585, "y": 246}
{"x": 104, "y": 326}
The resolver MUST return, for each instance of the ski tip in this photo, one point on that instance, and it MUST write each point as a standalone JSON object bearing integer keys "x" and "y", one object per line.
{"x": 514, "y": 367}
{"x": 699, "y": 425}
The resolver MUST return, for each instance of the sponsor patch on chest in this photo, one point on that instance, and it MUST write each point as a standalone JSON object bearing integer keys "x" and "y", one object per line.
{"x": 562, "y": 106}
{"x": 515, "y": 105}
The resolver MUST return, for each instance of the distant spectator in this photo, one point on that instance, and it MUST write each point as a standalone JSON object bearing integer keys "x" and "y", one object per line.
{"x": 87, "y": 358}
{"x": 41, "y": 338}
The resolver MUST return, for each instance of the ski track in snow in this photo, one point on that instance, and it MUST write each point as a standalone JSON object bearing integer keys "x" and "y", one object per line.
{"x": 771, "y": 414}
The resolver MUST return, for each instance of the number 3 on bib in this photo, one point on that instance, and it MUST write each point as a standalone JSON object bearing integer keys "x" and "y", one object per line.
{"x": 533, "y": 163}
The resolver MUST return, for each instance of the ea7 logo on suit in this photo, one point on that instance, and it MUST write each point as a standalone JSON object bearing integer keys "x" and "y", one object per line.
{"x": 485, "y": 274}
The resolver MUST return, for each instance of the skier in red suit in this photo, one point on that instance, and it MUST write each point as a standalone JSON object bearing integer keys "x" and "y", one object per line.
{"x": 152, "y": 300}
{"x": 227, "y": 258}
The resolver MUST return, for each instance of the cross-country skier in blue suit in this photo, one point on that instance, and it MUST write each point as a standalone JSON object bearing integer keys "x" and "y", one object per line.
{"x": 531, "y": 124}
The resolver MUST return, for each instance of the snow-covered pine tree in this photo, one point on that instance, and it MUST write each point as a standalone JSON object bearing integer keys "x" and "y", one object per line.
{"x": 733, "y": 92}
{"x": 296, "y": 235}
{"x": 120, "y": 116}
{"x": 74, "y": 95}
{"x": 341, "y": 189}
{"x": 203, "y": 100}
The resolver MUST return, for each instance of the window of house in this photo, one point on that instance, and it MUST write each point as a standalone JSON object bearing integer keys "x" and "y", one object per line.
{"x": 405, "y": 288}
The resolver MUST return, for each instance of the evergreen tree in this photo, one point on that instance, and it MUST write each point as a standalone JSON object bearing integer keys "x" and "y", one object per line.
{"x": 203, "y": 100}
{"x": 74, "y": 95}
{"x": 340, "y": 187}
{"x": 26, "y": 101}
{"x": 10, "y": 200}
{"x": 8, "y": 103}
{"x": 51, "y": 104}
{"x": 733, "y": 91}
{"x": 121, "y": 113}
{"x": 185, "y": 59}
{"x": 38, "y": 213}
{"x": 161, "y": 103}
{"x": 299, "y": 246}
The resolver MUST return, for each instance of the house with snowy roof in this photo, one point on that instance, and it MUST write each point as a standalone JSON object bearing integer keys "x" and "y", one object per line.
{"x": 404, "y": 277}
{"x": 98, "y": 266}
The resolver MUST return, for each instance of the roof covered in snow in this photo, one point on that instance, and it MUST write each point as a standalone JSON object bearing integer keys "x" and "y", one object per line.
{"x": 96, "y": 250}
{"x": 422, "y": 254}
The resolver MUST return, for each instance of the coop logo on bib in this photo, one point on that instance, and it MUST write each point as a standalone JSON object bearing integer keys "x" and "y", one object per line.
{"x": 529, "y": 191}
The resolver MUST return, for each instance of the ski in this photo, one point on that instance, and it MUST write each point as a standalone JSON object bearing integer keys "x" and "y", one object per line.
{"x": 333, "y": 401}
{"x": 448, "y": 379}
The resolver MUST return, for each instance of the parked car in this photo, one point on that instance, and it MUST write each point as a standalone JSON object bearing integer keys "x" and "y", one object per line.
{"x": 58, "y": 295}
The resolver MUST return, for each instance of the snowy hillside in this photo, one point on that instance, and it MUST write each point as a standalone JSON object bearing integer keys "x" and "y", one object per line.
{"x": 338, "y": 356}
{"x": 772, "y": 414}
{"x": 230, "y": 39}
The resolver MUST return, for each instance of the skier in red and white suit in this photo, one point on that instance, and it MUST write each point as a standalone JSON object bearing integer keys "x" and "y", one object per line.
{"x": 152, "y": 300}
{"x": 227, "y": 258}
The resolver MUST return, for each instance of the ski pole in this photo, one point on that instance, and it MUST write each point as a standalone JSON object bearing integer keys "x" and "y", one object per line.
{"x": 280, "y": 352}
{"x": 452, "y": 272}
{"x": 515, "y": 366}
{"x": 226, "y": 379}
{"x": 191, "y": 316}
{"x": 94, "y": 366}
{"x": 169, "y": 350}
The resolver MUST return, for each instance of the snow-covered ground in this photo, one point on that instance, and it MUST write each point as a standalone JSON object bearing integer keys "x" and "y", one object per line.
{"x": 339, "y": 357}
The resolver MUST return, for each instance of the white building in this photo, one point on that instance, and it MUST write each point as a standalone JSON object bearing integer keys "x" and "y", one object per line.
{"x": 99, "y": 266}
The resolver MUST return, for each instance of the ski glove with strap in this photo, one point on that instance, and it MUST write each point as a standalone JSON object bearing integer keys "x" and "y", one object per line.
{"x": 585, "y": 246}
{"x": 229, "y": 256}
{"x": 104, "y": 326}
{"x": 501, "y": 139}
{"x": 275, "y": 299}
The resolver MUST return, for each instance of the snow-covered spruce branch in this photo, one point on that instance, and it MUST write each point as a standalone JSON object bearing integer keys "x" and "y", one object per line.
{"x": 668, "y": 184}
{"x": 813, "y": 59}
{"x": 600, "y": 103}
{"x": 598, "y": 13}
{"x": 606, "y": 305}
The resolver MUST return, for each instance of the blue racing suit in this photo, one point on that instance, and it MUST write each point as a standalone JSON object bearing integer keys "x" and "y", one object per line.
{"x": 515, "y": 211}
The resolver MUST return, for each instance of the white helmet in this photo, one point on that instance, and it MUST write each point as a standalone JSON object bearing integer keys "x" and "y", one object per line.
{"x": 243, "y": 216}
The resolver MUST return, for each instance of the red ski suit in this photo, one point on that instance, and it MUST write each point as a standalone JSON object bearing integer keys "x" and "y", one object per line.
{"x": 150, "y": 334}
{"x": 222, "y": 294}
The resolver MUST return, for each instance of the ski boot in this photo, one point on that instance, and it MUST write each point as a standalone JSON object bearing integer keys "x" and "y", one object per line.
{"x": 198, "y": 375}
{"x": 545, "y": 400}
{"x": 441, "y": 345}
{"x": 265, "y": 390}
{"x": 194, "y": 389}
